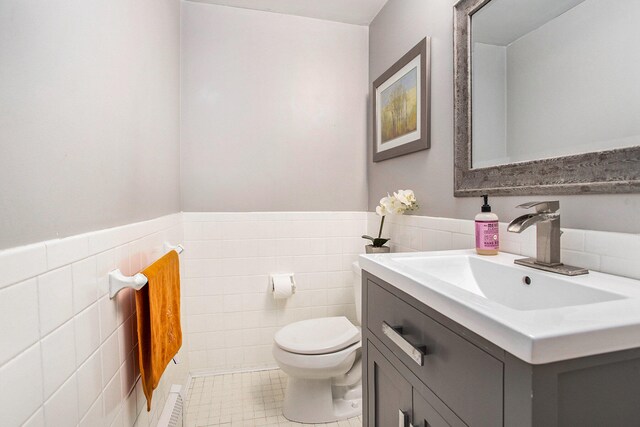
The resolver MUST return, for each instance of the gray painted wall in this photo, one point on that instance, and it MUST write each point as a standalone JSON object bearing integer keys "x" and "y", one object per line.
{"x": 89, "y": 115}
{"x": 272, "y": 112}
{"x": 398, "y": 27}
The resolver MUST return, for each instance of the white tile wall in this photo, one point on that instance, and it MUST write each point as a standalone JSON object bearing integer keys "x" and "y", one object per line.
{"x": 613, "y": 253}
{"x": 231, "y": 314}
{"x": 69, "y": 355}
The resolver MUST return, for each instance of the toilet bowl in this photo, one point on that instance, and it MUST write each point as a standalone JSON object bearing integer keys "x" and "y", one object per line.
{"x": 322, "y": 360}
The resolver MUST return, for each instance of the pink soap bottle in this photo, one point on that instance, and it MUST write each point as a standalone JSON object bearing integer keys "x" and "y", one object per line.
{"x": 487, "y": 235}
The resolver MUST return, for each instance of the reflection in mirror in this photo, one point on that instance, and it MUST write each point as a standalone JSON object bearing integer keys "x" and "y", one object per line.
{"x": 554, "y": 77}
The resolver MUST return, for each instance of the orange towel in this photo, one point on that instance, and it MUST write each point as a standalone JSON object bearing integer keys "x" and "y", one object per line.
{"x": 158, "y": 313}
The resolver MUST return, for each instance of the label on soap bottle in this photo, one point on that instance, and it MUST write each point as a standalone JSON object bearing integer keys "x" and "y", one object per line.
{"x": 487, "y": 235}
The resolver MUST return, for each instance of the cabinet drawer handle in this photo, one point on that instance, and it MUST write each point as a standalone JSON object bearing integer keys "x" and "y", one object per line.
{"x": 395, "y": 335}
{"x": 403, "y": 418}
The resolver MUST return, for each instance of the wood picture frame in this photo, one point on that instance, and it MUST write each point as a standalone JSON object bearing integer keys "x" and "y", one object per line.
{"x": 401, "y": 105}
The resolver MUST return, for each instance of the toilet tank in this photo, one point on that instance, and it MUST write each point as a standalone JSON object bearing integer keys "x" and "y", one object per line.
{"x": 357, "y": 289}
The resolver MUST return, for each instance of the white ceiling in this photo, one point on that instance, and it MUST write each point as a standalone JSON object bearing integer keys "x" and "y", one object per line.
{"x": 359, "y": 12}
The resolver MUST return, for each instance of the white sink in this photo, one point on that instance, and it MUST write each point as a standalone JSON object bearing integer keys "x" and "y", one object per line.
{"x": 537, "y": 316}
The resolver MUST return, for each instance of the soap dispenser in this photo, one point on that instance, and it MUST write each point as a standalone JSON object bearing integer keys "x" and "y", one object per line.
{"x": 487, "y": 234}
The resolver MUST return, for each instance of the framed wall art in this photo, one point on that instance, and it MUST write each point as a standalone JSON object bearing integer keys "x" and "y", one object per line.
{"x": 401, "y": 102}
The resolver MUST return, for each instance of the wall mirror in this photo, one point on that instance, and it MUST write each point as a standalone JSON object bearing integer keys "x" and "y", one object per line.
{"x": 547, "y": 97}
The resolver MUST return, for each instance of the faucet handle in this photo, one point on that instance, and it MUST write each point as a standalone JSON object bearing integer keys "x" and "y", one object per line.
{"x": 542, "y": 207}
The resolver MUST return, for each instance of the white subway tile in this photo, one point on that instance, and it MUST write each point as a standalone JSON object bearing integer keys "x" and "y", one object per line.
{"x": 125, "y": 339}
{"x": 58, "y": 357}
{"x": 204, "y": 304}
{"x": 232, "y": 303}
{"x": 108, "y": 317}
{"x": 135, "y": 261}
{"x": 581, "y": 259}
{"x": 268, "y": 247}
{"x": 230, "y": 339}
{"x": 119, "y": 420}
{"x": 55, "y": 295}
{"x": 239, "y": 248}
{"x": 129, "y": 409}
{"x": 318, "y": 297}
{"x": 619, "y": 245}
{"x": 310, "y": 264}
{"x": 36, "y": 420}
{"x": 61, "y": 409}
{"x": 141, "y": 401}
{"x": 191, "y": 217}
{"x": 107, "y": 239}
{"x": 319, "y": 312}
{"x": 340, "y": 296}
{"x": 87, "y": 326}
{"x": 433, "y": 240}
{"x": 202, "y": 267}
{"x": 192, "y": 231}
{"x": 125, "y": 300}
{"x": 198, "y": 359}
{"x": 467, "y": 227}
{"x": 572, "y": 240}
{"x": 19, "y": 315}
{"x": 94, "y": 417}
{"x": 235, "y": 230}
{"x": 334, "y": 261}
{"x": 21, "y": 391}
{"x": 123, "y": 260}
{"x": 509, "y": 246}
{"x": 216, "y": 358}
{"x": 203, "y": 249}
{"x": 351, "y": 245}
{"x": 89, "y": 378}
{"x": 127, "y": 377}
{"x": 112, "y": 396}
{"x": 620, "y": 267}
{"x": 65, "y": 251}
{"x": 105, "y": 263}
{"x": 462, "y": 241}
{"x": 259, "y": 301}
{"x": 85, "y": 284}
{"x": 198, "y": 341}
{"x": 110, "y": 355}
{"x": 24, "y": 262}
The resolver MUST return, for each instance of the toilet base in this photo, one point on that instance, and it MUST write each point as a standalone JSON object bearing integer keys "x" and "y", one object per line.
{"x": 318, "y": 401}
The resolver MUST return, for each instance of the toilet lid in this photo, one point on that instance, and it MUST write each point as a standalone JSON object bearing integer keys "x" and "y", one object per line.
{"x": 318, "y": 336}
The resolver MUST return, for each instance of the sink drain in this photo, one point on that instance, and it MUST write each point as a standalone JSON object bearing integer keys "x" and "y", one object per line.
{"x": 526, "y": 280}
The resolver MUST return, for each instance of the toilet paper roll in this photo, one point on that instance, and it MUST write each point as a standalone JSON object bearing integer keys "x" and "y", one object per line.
{"x": 283, "y": 286}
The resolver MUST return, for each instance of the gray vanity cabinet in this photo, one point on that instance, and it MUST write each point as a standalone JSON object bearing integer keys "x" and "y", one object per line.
{"x": 422, "y": 369}
{"x": 392, "y": 398}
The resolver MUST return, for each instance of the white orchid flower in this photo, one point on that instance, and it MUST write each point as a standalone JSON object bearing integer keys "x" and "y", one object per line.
{"x": 406, "y": 197}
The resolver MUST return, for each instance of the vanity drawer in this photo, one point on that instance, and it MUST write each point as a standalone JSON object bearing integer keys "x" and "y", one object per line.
{"x": 467, "y": 379}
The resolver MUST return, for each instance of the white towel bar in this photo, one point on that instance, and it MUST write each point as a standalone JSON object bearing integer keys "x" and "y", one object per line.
{"x": 118, "y": 281}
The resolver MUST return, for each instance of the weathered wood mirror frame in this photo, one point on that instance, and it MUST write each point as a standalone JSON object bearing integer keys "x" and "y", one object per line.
{"x": 611, "y": 171}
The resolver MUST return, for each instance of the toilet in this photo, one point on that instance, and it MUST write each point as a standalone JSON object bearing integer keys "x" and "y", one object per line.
{"x": 322, "y": 360}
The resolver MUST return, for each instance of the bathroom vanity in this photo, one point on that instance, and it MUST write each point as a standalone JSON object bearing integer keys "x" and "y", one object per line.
{"x": 451, "y": 338}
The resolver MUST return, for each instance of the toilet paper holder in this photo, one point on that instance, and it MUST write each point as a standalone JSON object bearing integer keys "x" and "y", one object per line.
{"x": 276, "y": 277}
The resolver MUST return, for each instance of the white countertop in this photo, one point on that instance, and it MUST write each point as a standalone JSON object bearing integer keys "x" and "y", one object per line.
{"x": 538, "y": 333}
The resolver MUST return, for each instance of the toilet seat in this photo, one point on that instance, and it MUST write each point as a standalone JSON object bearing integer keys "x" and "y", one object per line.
{"x": 318, "y": 336}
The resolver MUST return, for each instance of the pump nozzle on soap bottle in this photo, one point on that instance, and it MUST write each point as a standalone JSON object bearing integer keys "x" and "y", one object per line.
{"x": 487, "y": 234}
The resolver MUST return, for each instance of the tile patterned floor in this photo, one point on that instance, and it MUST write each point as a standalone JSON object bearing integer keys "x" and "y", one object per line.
{"x": 243, "y": 400}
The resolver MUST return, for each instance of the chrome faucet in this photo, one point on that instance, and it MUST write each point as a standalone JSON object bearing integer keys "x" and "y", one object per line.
{"x": 547, "y": 221}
